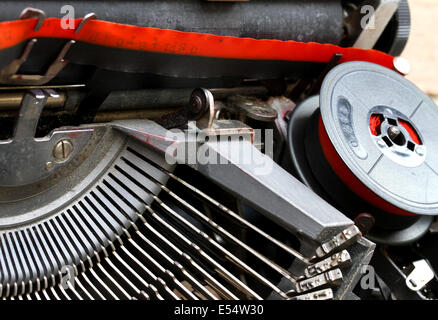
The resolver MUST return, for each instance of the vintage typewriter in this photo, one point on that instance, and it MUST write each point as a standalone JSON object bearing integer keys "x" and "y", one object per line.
{"x": 209, "y": 150}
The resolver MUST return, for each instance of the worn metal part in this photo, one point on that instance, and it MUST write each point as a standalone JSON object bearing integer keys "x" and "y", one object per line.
{"x": 23, "y": 158}
{"x": 253, "y": 108}
{"x": 333, "y": 277}
{"x": 420, "y": 276}
{"x": 365, "y": 222}
{"x": 326, "y": 294}
{"x": 8, "y": 75}
{"x": 361, "y": 253}
{"x": 337, "y": 260}
{"x": 12, "y": 100}
{"x": 232, "y": 129}
{"x": 202, "y": 102}
{"x": 339, "y": 241}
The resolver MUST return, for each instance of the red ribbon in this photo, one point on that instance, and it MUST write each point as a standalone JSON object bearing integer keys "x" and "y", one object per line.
{"x": 185, "y": 43}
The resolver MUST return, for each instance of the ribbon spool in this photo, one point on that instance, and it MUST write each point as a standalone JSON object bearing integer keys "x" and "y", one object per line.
{"x": 369, "y": 143}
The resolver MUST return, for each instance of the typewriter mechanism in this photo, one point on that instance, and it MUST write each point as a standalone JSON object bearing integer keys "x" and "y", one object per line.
{"x": 211, "y": 150}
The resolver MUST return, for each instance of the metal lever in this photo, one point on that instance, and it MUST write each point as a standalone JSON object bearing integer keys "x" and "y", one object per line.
{"x": 25, "y": 159}
{"x": 29, "y": 13}
{"x": 8, "y": 75}
{"x": 32, "y": 106}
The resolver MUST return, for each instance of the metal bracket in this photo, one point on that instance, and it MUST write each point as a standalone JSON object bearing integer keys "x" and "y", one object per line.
{"x": 25, "y": 159}
{"x": 420, "y": 276}
{"x": 253, "y": 108}
{"x": 30, "y": 13}
{"x": 85, "y": 19}
{"x": 8, "y": 75}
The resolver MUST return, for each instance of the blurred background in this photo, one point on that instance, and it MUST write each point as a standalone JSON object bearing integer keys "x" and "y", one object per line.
{"x": 422, "y": 48}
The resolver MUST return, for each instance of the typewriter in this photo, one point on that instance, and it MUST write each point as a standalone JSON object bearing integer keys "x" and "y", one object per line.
{"x": 214, "y": 150}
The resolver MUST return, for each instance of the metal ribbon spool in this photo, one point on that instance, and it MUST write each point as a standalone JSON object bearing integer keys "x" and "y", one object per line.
{"x": 368, "y": 143}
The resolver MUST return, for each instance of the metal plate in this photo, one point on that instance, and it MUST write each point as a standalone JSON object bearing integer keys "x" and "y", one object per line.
{"x": 349, "y": 94}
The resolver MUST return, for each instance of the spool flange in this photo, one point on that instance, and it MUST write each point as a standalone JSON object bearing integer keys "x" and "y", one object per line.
{"x": 302, "y": 125}
{"x": 391, "y": 164}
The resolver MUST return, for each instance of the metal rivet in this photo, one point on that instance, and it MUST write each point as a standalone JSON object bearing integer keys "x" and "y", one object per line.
{"x": 49, "y": 165}
{"x": 402, "y": 65}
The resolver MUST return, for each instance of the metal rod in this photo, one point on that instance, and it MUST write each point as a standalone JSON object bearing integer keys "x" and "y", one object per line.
{"x": 219, "y": 268}
{"x": 278, "y": 243}
{"x": 226, "y": 252}
{"x": 264, "y": 259}
{"x": 215, "y": 283}
{"x": 173, "y": 262}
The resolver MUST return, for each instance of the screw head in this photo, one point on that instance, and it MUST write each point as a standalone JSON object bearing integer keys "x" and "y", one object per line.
{"x": 396, "y": 136}
{"x": 62, "y": 150}
{"x": 196, "y": 104}
{"x": 393, "y": 132}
